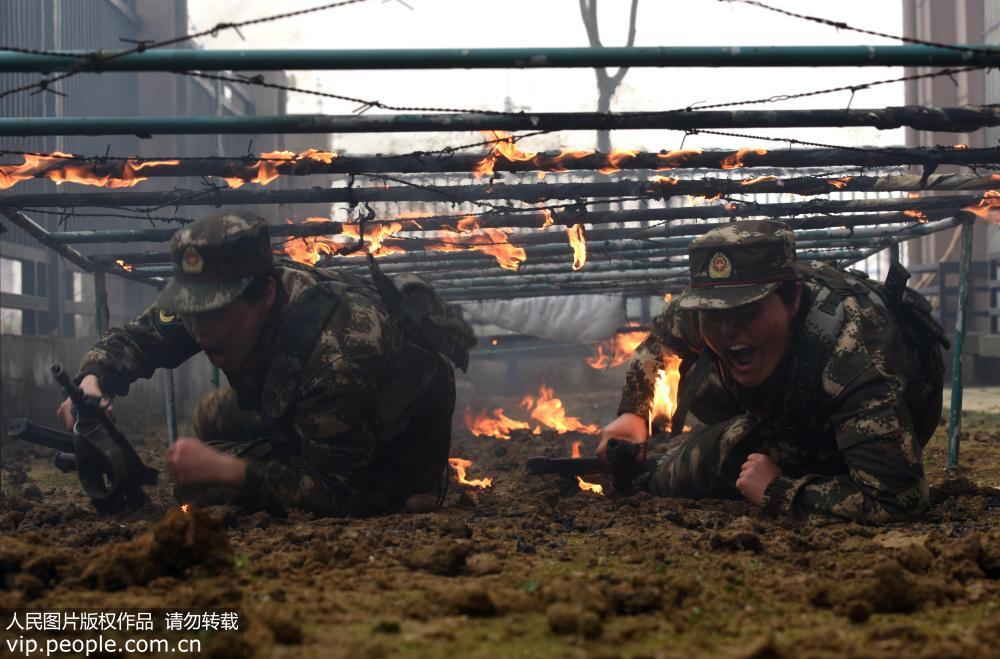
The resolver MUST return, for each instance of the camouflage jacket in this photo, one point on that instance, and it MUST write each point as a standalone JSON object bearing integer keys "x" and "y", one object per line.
{"x": 838, "y": 413}
{"x": 335, "y": 419}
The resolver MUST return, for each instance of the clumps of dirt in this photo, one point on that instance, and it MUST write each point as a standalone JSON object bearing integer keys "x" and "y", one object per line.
{"x": 566, "y": 618}
{"x": 181, "y": 541}
{"x": 445, "y": 557}
{"x": 29, "y": 567}
{"x": 959, "y": 487}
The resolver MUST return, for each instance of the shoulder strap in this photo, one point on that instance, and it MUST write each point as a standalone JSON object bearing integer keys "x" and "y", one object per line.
{"x": 414, "y": 315}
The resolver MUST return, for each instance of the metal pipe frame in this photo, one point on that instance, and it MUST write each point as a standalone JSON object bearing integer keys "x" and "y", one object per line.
{"x": 529, "y": 192}
{"x": 958, "y": 346}
{"x": 956, "y": 119}
{"x": 181, "y": 60}
{"x": 553, "y": 161}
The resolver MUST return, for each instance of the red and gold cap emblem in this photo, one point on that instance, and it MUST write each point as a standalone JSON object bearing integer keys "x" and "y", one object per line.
{"x": 191, "y": 261}
{"x": 720, "y": 267}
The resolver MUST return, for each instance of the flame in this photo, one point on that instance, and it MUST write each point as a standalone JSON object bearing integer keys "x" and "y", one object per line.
{"x": 494, "y": 342}
{"x": 488, "y": 241}
{"x": 988, "y": 209}
{"x": 615, "y": 159}
{"x": 579, "y": 243}
{"x": 503, "y": 145}
{"x": 584, "y": 485}
{"x": 665, "y": 180}
{"x": 961, "y": 147}
{"x": 271, "y": 163}
{"x": 60, "y": 168}
{"x": 548, "y": 409}
{"x": 460, "y": 465}
{"x": 759, "y": 179}
{"x": 124, "y": 266}
{"x": 664, "y": 402}
{"x": 735, "y": 160}
{"x": 548, "y": 218}
{"x": 498, "y": 425}
{"x": 667, "y": 297}
{"x": 618, "y": 349}
{"x": 840, "y": 183}
{"x": 185, "y": 507}
{"x": 917, "y": 215}
{"x": 676, "y": 158}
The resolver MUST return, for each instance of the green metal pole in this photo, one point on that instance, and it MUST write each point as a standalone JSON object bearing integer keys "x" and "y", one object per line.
{"x": 963, "y": 119}
{"x": 958, "y": 346}
{"x": 180, "y": 60}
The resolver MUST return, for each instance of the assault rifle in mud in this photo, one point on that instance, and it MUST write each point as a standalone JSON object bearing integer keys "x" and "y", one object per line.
{"x": 111, "y": 472}
{"x": 623, "y": 464}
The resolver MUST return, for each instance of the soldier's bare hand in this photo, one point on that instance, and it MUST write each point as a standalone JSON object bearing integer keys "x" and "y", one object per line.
{"x": 628, "y": 427}
{"x": 755, "y": 475}
{"x": 192, "y": 462}
{"x": 90, "y": 386}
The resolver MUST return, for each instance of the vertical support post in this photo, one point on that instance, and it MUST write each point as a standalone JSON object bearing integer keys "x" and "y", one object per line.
{"x": 958, "y": 346}
{"x": 893, "y": 253}
{"x": 102, "y": 313}
{"x": 171, "y": 407}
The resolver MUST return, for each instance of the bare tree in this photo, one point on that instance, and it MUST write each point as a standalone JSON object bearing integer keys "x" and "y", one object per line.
{"x": 607, "y": 84}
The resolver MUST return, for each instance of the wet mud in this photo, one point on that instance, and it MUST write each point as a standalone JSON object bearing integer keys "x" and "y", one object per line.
{"x": 532, "y": 566}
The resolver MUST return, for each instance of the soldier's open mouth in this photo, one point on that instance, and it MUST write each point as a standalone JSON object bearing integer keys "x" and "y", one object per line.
{"x": 741, "y": 355}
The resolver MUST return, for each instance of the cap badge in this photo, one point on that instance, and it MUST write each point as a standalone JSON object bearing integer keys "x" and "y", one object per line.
{"x": 720, "y": 267}
{"x": 166, "y": 318}
{"x": 192, "y": 262}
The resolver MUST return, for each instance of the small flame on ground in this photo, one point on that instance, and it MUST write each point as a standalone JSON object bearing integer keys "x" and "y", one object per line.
{"x": 618, "y": 349}
{"x": 917, "y": 215}
{"x": 497, "y": 425}
{"x": 596, "y": 488}
{"x": 124, "y": 266}
{"x": 460, "y": 465}
{"x": 548, "y": 410}
{"x": 664, "y": 402}
{"x": 735, "y": 160}
{"x": 185, "y": 507}
{"x": 961, "y": 147}
{"x": 840, "y": 183}
{"x": 579, "y": 243}
{"x": 988, "y": 209}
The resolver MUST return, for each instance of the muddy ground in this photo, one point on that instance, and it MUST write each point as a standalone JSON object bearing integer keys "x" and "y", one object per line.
{"x": 532, "y": 567}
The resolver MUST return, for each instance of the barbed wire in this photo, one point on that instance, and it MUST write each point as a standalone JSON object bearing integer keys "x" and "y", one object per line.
{"x": 93, "y": 61}
{"x": 840, "y": 25}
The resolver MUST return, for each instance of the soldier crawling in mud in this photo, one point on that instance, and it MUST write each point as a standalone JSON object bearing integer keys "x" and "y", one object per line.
{"x": 337, "y": 404}
{"x": 818, "y": 387}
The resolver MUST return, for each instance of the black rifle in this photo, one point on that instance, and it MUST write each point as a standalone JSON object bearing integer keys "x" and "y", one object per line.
{"x": 111, "y": 472}
{"x": 623, "y": 464}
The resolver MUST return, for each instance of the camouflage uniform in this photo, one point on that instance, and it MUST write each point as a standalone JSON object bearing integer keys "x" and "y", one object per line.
{"x": 847, "y": 411}
{"x": 340, "y": 409}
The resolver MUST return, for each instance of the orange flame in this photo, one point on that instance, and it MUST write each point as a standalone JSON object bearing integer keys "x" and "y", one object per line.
{"x": 676, "y": 158}
{"x": 759, "y": 179}
{"x": 961, "y": 147}
{"x": 665, "y": 180}
{"x": 185, "y": 507}
{"x": 460, "y": 465}
{"x": 616, "y": 158}
{"x": 271, "y": 163}
{"x": 579, "y": 243}
{"x": 124, "y": 266}
{"x": 503, "y": 145}
{"x": 548, "y": 218}
{"x": 58, "y": 168}
{"x": 548, "y": 409}
{"x": 584, "y": 485}
{"x": 667, "y": 297}
{"x": 664, "y": 402}
{"x": 499, "y": 425}
{"x": 988, "y": 209}
{"x": 735, "y": 160}
{"x": 488, "y": 241}
{"x": 618, "y": 349}
{"x": 917, "y": 215}
{"x": 840, "y": 183}
{"x": 550, "y": 164}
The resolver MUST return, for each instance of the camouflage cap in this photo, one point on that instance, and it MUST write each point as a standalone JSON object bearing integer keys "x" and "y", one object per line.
{"x": 215, "y": 259}
{"x": 737, "y": 264}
